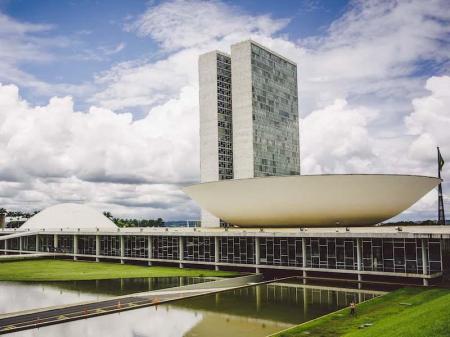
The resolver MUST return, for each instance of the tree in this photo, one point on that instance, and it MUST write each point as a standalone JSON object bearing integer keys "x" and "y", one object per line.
{"x": 108, "y": 215}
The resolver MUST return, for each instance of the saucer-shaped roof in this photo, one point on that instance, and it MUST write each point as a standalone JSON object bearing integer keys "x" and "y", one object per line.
{"x": 69, "y": 216}
{"x": 309, "y": 201}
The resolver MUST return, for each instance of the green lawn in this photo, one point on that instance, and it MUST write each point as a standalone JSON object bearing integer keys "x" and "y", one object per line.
{"x": 65, "y": 270}
{"x": 408, "y": 312}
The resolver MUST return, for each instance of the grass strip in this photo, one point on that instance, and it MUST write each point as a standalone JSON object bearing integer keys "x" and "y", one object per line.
{"x": 66, "y": 270}
{"x": 425, "y": 315}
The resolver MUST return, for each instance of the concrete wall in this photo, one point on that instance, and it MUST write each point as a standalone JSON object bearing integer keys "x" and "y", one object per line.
{"x": 209, "y": 162}
{"x": 241, "y": 87}
{"x": 209, "y": 165}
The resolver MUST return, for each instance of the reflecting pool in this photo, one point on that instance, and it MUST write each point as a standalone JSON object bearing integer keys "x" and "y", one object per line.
{"x": 250, "y": 312}
{"x": 18, "y": 296}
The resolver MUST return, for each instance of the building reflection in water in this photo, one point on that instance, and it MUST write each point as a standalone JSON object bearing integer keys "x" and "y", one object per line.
{"x": 251, "y": 312}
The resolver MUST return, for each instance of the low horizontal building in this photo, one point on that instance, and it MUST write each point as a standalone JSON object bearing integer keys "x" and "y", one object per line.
{"x": 415, "y": 252}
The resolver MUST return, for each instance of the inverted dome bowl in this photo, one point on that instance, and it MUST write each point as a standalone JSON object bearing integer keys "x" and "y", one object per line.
{"x": 311, "y": 201}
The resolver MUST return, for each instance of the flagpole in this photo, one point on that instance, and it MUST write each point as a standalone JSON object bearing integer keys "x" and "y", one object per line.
{"x": 441, "y": 213}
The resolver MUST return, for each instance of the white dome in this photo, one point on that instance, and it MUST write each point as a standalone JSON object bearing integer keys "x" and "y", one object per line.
{"x": 69, "y": 216}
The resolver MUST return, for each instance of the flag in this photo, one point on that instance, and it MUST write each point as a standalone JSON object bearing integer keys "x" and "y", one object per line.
{"x": 440, "y": 160}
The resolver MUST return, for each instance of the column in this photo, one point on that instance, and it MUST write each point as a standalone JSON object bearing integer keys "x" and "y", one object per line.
{"x": 122, "y": 249}
{"x": 180, "y": 250}
{"x": 216, "y": 252}
{"x": 424, "y": 261}
{"x": 358, "y": 261}
{"x": 6, "y": 247}
{"x": 75, "y": 247}
{"x": 257, "y": 254}
{"x": 55, "y": 242}
{"x": 20, "y": 245}
{"x": 97, "y": 248}
{"x": 37, "y": 242}
{"x": 304, "y": 260}
{"x": 150, "y": 250}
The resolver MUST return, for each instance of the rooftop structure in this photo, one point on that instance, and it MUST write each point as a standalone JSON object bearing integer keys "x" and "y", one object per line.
{"x": 310, "y": 201}
{"x": 68, "y": 216}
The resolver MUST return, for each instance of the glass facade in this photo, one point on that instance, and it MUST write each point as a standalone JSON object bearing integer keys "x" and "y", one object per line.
{"x": 14, "y": 244}
{"x": 86, "y": 245}
{"x": 397, "y": 255}
{"x": 29, "y": 243}
{"x": 224, "y": 117}
{"x": 110, "y": 245}
{"x": 165, "y": 247}
{"x": 65, "y": 243}
{"x": 383, "y": 255}
{"x": 199, "y": 248}
{"x": 275, "y": 114}
{"x": 240, "y": 250}
{"x": 281, "y": 251}
{"x": 136, "y": 246}
{"x": 46, "y": 243}
{"x": 331, "y": 253}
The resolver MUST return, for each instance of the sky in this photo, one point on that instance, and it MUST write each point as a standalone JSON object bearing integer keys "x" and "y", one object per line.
{"x": 99, "y": 99}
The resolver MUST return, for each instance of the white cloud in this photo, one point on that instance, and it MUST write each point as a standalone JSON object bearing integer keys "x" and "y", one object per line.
{"x": 29, "y": 43}
{"x": 184, "y": 29}
{"x": 116, "y": 49}
{"x": 373, "y": 51}
{"x": 431, "y": 115}
{"x": 142, "y": 84}
{"x": 363, "y": 105}
{"x": 185, "y": 23}
{"x": 335, "y": 139}
{"x": 429, "y": 123}
{"x": 63, "y": 154}
{"x": 12, "y": 37}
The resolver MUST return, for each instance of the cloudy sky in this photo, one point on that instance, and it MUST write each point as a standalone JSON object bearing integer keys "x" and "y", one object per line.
{"x": 99, "y": 99}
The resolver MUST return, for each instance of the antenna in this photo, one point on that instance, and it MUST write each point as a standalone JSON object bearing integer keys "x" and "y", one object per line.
{"x": 441, "y": 212}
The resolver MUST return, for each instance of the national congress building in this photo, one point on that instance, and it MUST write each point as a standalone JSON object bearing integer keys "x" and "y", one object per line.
{"x": 258, "y": 212}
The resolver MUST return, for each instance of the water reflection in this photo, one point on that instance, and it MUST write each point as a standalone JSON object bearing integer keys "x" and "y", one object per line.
{"x": 250, "y": 312}
{"x": 289, "y": 303}
{"x": 18, "y": 296}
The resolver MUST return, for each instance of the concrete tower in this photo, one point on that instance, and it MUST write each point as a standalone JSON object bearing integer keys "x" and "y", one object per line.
{"x": 216, "y": 149}
{"x": 265, "y": 112}
{"x": 248, "y": 116}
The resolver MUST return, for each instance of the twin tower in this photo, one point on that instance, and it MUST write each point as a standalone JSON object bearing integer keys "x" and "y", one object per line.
{"x": 248, "y": 116}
